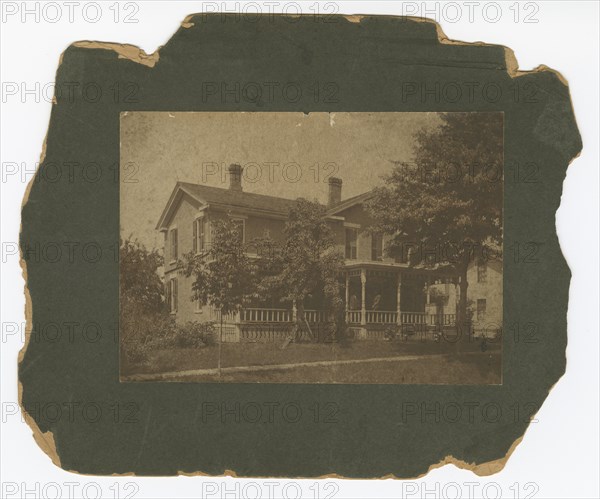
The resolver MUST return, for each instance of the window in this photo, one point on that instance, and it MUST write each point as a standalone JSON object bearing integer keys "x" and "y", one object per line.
{"x": 377, "y": 247}
{"x": 199, "y": 235}
{"x": 172, "y": 294}
{"x": 173, "y": 248}
{"x": 240, "y": 225}
{"x": 351, "y": 243}
{"x": 481, "y": 271}
{"x": 197, "y": 303}
{"x": 481, "y": 306}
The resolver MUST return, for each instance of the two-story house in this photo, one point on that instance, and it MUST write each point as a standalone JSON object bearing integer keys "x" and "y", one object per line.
{"x": 378, "y": 290}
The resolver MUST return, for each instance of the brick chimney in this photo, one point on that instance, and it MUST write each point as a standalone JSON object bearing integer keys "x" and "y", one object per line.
{"x": 235, "y": 177}
{"x": 335, "y": 191}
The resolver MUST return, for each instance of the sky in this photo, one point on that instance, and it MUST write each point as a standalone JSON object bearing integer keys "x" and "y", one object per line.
{"x": 289, "y": 155}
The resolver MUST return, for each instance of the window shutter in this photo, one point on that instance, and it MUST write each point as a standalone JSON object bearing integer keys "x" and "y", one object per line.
{"x": 195, "y": 236}
{"x": 202, "y": 223}
{"x": 168, "y": 294}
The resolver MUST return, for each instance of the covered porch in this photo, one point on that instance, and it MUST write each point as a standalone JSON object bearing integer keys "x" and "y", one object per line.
{"x": 383, "y": 294}
{"x": 376, "y": 296}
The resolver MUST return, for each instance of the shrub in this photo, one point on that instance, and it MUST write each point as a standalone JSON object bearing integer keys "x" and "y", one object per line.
{"x": 141, "y": 331}
{"x": 195, "y": 334}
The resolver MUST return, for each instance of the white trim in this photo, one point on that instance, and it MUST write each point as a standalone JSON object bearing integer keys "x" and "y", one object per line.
{"x": 351, "y": 225}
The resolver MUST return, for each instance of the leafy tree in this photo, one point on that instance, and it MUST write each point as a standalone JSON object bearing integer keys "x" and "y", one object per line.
{"x": 306, "y": 264}
{"x": 142, "y": 310}
{"x": 450, "y": 199}
{"x": 139, "y": 281}
{"x": 224, "y": 275}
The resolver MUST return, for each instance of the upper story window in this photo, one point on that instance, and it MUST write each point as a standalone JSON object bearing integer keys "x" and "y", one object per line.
{"x": 377, "y": 247}
{"x": 173, "y": 245}
{"x": 481, "y": 271}
{"x": 199, "y": 232}
{"x": 240, "y": 226}
{"x": 351, "y": 243}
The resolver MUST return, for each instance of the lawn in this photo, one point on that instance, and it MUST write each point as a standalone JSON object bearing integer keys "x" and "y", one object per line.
{"x": 465, "y": 369}
{"x": 398, "y": 362}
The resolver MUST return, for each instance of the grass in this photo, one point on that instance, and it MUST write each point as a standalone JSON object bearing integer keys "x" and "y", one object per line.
{"x": 466, "y": 369}
{"x": 465, "y": 364}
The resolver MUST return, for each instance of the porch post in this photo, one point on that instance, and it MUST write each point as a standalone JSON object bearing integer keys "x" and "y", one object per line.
{"x": 363, "y": 296}
{"x": 398, "y": 296}
{"x": 347, "y": 293}
{"x": 429, "y": 318}
{"x": 457, "y": 297}
{"x": 294, "y": 311}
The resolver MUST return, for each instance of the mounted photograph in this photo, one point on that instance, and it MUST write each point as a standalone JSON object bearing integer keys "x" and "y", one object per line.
{"x": 284, "y": 247}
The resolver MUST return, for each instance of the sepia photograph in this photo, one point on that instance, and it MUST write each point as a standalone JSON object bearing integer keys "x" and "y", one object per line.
{"x": 358, "y": 248}
{"x": 321, "y": 249}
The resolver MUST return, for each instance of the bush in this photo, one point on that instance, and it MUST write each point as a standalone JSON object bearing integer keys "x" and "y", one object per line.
{"x": 141, "y": 331}
{"x": 194, "y": 334}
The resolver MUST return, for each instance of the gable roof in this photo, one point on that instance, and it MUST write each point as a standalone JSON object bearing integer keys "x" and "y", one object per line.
{"x": 348, "y": 203}
{"x": 237, "y": 199}
{"x": 225, "y": 198}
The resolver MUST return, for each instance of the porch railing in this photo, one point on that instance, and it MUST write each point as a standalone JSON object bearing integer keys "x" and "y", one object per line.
{"x": 381, "y": 317}
{"x": 315, "y": 316}
{"x": 386, "y": 317}
{"x": 413, "y": 318}
{"x": 442, "y": 320}
{"x": 280, "y": 315}
{"x": 353, "y": 317}
{"x": 265, "y": 315}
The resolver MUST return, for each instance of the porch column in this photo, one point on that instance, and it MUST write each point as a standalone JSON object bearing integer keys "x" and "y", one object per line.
{"x": 294, "y": 311}
{"x": 429, "y": 317}
{"x": 398, "y": 296}
{"x": 457, "y": 297}
{"x": 363, "y": 296}
{"x": 347, "y": 293}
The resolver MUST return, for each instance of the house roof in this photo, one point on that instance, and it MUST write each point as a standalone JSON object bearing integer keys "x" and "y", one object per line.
{"x": 218, "y": 195}
{"x": 348, "y": 203}
{"x": 227, "y": 198}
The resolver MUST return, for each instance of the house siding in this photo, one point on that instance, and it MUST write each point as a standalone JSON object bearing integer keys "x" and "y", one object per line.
{"x": 357, "y": 215}
{"x": 490, "y": 291}
{"x": 184, "y": 215}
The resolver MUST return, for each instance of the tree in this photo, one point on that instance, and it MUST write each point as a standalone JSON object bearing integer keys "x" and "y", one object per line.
{"x": 139, "y": 281}
{"x": 450, "y": 198}
{"x": 142, "y": 310}
{"x": 224, "y": 276}
{"x": 306, "y": 264}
